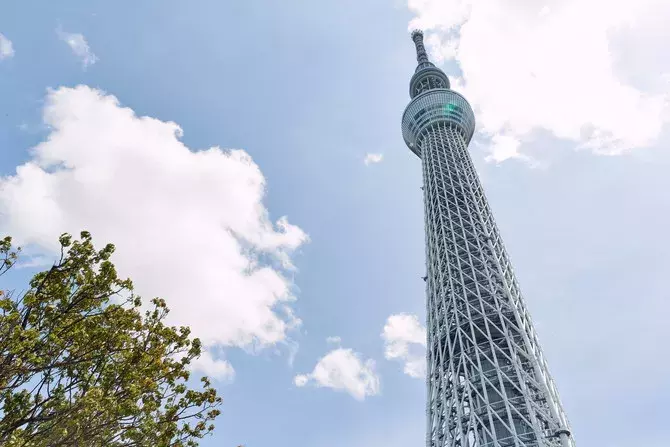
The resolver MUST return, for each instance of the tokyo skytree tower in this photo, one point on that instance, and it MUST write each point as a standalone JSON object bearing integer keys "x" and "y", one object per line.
{"x": 488, "y": 381}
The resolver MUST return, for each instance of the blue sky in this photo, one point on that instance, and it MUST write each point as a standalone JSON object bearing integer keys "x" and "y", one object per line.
{"x": 571, "y": 147}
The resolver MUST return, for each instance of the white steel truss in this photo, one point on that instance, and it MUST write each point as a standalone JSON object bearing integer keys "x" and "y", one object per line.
{"x": 488, "y": 381}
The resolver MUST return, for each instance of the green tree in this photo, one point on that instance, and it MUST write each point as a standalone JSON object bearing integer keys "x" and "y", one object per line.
{"x": 82, "y": 364}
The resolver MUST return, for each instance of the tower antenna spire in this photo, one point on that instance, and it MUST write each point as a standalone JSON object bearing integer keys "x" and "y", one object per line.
{"x": 421, "y": 54}
{"x": 426, "y": 76}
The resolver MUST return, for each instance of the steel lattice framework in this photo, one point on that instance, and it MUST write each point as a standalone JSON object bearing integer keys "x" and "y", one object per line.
{"x": 488, "y": 381}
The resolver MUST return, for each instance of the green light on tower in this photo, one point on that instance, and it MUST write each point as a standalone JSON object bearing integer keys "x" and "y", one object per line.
{"x": 450, "y": 107}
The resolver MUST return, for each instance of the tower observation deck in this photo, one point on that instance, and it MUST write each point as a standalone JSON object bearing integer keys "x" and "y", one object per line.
{"x": 488, "y": 381}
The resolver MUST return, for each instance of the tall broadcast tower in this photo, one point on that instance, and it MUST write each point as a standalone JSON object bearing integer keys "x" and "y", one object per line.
{"x": 488, "y": 381}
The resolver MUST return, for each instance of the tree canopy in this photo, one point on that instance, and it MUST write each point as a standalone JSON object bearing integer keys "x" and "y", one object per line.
{"x": 83, "y": 363}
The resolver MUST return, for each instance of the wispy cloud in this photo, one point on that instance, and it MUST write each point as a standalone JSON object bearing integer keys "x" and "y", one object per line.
{"x": 6, "y": 47}
{"x": 79, "y": 46}
{"x": 373, "y": 158}
{"x": 36, "y": 261}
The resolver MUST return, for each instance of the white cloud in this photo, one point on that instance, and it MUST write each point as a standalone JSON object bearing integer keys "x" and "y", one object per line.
{"x": 405, "y": 340}
{"x": 213, "y": 368}
{"x": 188, "y": 226}
{"x": 6, "y": 47}
{"x": 373, "y": 158}
{"x": 590, "y": 71}
{"x": 343, "y": 369}
{"x": 292, "y": 348}
{"x": 503, "y": 146}
{"x": 79, "y": 46}
{"x": 301, "y": 380}
{"x": 334, "y": 340}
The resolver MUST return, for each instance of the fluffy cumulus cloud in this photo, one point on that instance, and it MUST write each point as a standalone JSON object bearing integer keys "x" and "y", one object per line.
{"x": 590, "y": 71}
{"x": 188, "y": 226}
{"x": 219, "y": 369}
{"x": 343, "y": 370}
{"x": 405, "y": 340}
{"x": 373, "y": 158}
{"x": 79, "y": 46}
{"x": 6, "y": 47}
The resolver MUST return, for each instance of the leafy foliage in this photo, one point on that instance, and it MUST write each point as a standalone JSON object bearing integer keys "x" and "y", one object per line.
{"x": 82, "y": 364}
